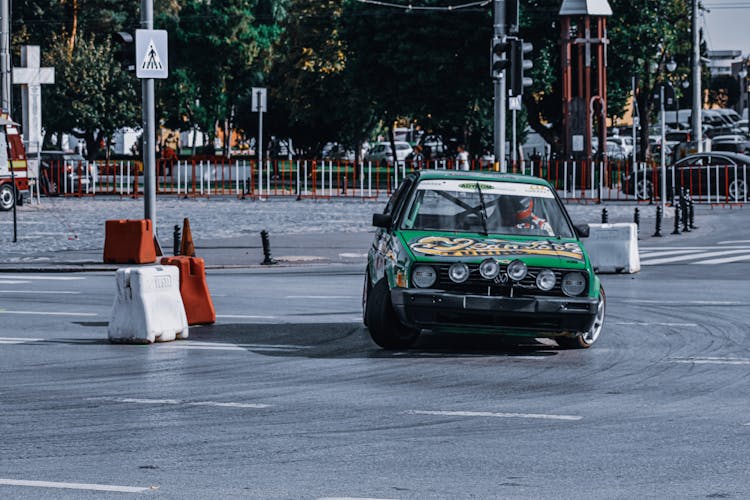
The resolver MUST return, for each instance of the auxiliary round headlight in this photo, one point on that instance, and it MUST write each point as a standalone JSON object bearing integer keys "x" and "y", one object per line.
{"x": 489, "y": 269}
{"x": 423, "y": 276}
{"x": 458, "y": 272}
{"x": 517, "y": 270}
{"x": 545, "y": 280}
{"x": 573, "y": 284}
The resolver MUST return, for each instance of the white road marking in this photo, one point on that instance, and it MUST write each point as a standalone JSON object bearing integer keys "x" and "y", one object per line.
{"x": 17, "y": 340}
{"x": 349, "y": 255}
{"x": 48, "y": 313}
{"x": 318, "y": 297}
{"x": 733, "y": 242}
{"x": 221, "y": 346}
{"x": 681, "y": 258}
{"x": 243, "y": 316}
{"x": 635, "y": 323}
{"x": 725, "y": 260}
{"x": 712, "y": 247}
{"x": 648, "y": 255}
{"x": 41, "y": 292}
{"x": 43, "y": 278}
{"x": 712, "y": 361}
{"x": 686, "y": 303}
{"x": 13, "y": 282}
{"x": 354, "y": 498}
{"x": 492, "y": 414}
{"x": 181, "y": 402}
{"x": 76, "y": 486}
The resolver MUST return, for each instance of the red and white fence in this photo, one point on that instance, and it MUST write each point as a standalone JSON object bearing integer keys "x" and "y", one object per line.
{"x": 574, "y": 180}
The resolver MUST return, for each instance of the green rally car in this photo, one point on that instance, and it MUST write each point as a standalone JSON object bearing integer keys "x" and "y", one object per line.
{"x": 479, "y": 252}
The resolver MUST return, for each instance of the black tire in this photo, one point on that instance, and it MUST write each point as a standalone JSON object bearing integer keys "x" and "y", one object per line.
{"x": 584, "y": 340}
{"x": 644, "y": 189}
{"x": 385, "y": 328}
{"x": 7, "y": 197}
{"x": 365, "y": 294}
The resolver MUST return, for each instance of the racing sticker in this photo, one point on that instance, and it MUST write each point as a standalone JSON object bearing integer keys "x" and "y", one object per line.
{"x": 469, "y": 247}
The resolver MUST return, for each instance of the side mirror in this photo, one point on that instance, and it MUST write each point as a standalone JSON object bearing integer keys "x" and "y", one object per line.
{"x": 382, "y": 220}
{"x": 582, "y": 231}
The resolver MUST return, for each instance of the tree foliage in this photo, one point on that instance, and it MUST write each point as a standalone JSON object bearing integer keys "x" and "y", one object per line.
{"x": 335, "y": 69}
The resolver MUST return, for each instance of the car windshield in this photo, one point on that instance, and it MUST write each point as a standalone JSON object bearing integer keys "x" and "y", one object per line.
{"x": 486, "y": 207}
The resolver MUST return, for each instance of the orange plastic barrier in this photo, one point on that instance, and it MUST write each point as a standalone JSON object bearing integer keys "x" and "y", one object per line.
{"x": 129, "y": 242}
{"x": 195, "y": 295}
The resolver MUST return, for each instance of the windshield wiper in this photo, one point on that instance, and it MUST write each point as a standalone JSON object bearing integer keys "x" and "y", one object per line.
{"x": 484, "y": 210}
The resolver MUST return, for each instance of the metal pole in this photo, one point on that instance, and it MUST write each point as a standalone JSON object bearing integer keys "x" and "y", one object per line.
{"x": 500, "y": 94}
{"x": 663, "y": 154}
{"x": 260, "y": 139}
{"x": 636, "y": 122}
{"x": 5, "y": 54}
{"x": 515, "y": 147}
{"x": 696, "y": 120}
{"x": 149, "y": 128}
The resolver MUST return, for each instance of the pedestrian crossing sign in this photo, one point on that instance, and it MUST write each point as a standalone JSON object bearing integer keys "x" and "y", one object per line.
{"x": 151, "y": 54}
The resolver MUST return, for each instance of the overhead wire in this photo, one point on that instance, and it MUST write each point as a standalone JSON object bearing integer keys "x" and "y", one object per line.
{"x": 441, "y": 8}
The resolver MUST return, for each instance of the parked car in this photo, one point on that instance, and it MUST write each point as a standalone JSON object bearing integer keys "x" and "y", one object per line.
{"x": 735, "y": 143}
{"x": 337, "y": 151}
{"x": 381, "y": 152}
{"x": 479, "y": 252}
{"x": 624, "y": 142}
{"x": 712, "y": 175}
{"x": 62, "y": 173}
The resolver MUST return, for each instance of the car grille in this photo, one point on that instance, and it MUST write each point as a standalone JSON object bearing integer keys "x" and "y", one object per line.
{"x": 478, "y": 285}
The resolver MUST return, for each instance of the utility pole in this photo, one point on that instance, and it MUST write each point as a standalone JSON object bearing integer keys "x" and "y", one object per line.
{"x": 696, "y": 120}
{"x": 500, "y": 92}
{"x": 5, "y": 54}
{"x": 149, "y": 127}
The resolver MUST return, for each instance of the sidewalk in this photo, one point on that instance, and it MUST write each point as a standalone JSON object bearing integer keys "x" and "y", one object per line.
{"x": 68, "y": 235}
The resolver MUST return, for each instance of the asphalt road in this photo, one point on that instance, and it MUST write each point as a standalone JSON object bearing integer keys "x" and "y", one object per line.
{"x": 286, "y": 396}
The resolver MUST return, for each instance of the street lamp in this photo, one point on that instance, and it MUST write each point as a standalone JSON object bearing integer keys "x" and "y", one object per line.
{"x": 671, "y": 65}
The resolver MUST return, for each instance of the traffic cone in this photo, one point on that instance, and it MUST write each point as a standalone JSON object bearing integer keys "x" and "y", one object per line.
{"x": 186, "y": 244}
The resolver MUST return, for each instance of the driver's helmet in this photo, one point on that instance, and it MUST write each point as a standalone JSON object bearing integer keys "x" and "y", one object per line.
{"x": 524, "y": 207}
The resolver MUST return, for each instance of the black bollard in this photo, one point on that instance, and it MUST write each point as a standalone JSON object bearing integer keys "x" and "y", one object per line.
{"x": 176, "y": 240}
{"x": 637, "y": 219}
{"x": 691, "y": 212}
{"x": 684, "y": 210}
{"x": 657, "y": 233}
{"x": 267, "y": 260}
{"x": 676, "y": 219}
{"x": 605, "y": 216}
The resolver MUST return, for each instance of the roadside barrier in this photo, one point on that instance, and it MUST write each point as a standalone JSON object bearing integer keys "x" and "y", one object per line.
{"x": 582, "y": 181}
{"x": 613, "y": 248}
{"x": 196, "y": 298}
{"x": 129, "y": 242}
{"x": 148, "y": 307}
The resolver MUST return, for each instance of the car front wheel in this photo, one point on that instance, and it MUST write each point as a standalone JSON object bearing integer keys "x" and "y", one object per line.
{"x": 584, "y": 340}
{"x": 381, "y": 320}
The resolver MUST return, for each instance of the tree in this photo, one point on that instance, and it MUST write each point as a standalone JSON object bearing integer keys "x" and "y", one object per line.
{"x": 214, "y": 48}
{"x": 92, "y": 96}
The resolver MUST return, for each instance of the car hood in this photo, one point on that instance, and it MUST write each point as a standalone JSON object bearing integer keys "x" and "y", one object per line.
{"x": 473, "y": 248}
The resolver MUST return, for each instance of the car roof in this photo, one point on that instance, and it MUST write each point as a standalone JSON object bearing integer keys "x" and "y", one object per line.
{"x": 737, "y": 157}
{"x": 481, "y": 176}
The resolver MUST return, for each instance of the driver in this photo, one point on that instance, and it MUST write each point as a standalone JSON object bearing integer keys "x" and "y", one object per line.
{"x": 526, "y": 218}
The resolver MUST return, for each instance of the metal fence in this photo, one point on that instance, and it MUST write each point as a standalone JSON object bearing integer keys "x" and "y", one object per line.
{"x": 581, "y": 181}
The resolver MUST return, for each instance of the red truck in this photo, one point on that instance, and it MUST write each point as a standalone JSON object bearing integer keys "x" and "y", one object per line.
{"x": 13, "y": 164}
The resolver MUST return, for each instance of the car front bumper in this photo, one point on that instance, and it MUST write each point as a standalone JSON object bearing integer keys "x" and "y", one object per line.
{"x": 440, "y": 310}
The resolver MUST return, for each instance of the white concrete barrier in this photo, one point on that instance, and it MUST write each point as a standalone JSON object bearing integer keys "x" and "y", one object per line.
{"x": 148, "y": 307}
{"x": 613, "y": 248}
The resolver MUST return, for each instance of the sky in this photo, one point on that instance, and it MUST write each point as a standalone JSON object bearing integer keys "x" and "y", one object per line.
{"x": 726, "y": 25}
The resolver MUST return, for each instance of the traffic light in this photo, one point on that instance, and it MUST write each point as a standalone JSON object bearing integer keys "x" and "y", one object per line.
{"x": 125, "y": 54}
{"x": 518, "y": 64}
{"x": 499, "y": 56}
